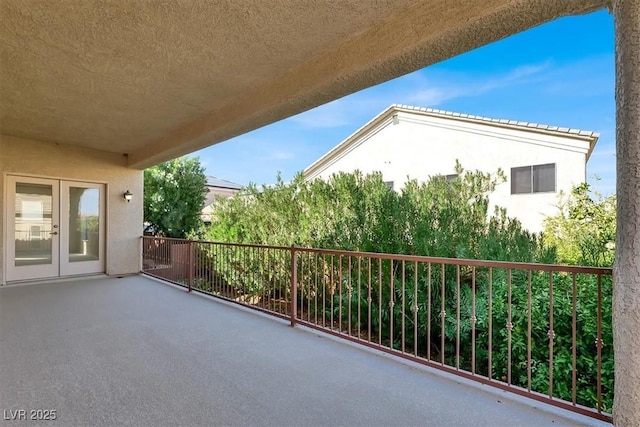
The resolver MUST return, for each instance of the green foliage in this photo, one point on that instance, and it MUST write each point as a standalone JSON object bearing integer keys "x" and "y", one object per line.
{"x": 400, "y": 304}
{"x": 351, "y": 211}
{"x": 583, "y": 232}
{"x": 174, "y": 194}
{"x": 538, "y": 318}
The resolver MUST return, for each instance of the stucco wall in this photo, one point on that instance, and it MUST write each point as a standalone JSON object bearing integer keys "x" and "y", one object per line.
{"x": 420, "y": 147}
{"x": 59, "y": 161}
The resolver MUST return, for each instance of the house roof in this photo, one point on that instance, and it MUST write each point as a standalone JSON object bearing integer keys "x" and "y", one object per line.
{"x": 154, "y": 80}
{"x": 432, "y": 112}
{"x": 212, "y": 181}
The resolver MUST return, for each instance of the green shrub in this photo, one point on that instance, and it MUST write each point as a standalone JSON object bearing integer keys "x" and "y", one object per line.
{"x": 437, "y": 218}
{"x": 584, "y": 229}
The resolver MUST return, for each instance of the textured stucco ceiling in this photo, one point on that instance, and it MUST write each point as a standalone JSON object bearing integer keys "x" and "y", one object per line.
{"x": 156, "y": 79}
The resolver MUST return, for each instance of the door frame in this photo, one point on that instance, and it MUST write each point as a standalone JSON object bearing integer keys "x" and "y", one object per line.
{"x": 8, "y": 241}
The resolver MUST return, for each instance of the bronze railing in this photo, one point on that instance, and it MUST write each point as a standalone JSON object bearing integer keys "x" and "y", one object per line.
{"x": 543, "y": 331}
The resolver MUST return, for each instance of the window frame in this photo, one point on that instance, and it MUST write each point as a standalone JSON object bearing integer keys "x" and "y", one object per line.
{"x": 533, "y": 184}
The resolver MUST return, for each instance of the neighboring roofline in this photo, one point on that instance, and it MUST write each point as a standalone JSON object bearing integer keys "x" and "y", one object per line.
{"x": 223, "y": 183}
{"x": 513, "y": 124}
{"x": 225, "y": 187}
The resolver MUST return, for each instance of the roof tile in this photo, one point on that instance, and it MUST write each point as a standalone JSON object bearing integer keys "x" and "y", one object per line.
{"x": 494, "y": 120}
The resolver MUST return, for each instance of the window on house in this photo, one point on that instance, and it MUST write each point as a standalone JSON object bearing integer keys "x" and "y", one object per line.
{"x": 533, "y": 179}
{"x": 451, "y": 177}
{"x": 389, "y": 185}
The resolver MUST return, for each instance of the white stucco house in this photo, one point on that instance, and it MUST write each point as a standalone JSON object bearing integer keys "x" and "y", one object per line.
{"x": 405, "y": 142}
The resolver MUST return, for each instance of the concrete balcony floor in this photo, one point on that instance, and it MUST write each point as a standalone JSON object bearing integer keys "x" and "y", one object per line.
{"x": 136, "y": 351}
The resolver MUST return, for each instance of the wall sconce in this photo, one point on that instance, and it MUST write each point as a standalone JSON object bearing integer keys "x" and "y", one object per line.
{"x": 127, "y": 196}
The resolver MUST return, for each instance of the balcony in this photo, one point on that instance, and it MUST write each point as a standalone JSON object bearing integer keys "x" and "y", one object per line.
{"x": 532, "y": 329}
{"x": 133, "y": 350}
{"x": 139, "y": 351}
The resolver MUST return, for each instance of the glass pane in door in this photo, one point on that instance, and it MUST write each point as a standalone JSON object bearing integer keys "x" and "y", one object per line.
{"x": 33, "y": 224}
{"x": 84, "y": 224}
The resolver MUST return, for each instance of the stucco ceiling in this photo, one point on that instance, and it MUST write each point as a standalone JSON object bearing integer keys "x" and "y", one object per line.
{"x": 156, "y": 79}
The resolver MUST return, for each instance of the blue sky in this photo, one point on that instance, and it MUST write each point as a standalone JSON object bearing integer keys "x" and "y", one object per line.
{"x": 560, "y": 73}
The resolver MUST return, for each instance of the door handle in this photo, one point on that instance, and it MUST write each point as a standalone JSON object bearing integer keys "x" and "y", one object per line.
{"x": 54, "y": 233}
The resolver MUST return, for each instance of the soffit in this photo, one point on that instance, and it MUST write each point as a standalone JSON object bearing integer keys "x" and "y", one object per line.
{"x": 157, "y": 79}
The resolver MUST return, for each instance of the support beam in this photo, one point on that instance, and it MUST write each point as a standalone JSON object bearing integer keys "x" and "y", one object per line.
{"x": 626, "y": 291}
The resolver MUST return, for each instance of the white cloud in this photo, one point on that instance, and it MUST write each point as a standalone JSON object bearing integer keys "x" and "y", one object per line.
{"x": 439, "y": 92}
{"x": 279, "y": 155}
{"x": 433, "y": 96}
{"x": 332, "y": 114}
{"x": 420, "y": 88}
{"x": 587, "y": 77}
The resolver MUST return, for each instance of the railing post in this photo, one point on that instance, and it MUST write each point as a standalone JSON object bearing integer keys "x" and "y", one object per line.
{"x": 294, "y": 285}
{"x": 190, "y": 265}
{"x": 142, "y": 254}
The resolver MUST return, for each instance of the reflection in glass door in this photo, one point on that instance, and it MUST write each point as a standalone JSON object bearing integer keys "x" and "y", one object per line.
{"x": 33, "y": 224}
{"x": 33, "y": 221}
{"x": 84, "y": 224}
{"x": 82, "y": 243}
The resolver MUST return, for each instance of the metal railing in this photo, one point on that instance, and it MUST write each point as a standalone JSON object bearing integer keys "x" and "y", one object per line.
{"x": 532, "y": 329}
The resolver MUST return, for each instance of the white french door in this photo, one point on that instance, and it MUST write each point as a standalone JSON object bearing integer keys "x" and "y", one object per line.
{"x": 55, "y": 228}
{"x": 33, "y": 221}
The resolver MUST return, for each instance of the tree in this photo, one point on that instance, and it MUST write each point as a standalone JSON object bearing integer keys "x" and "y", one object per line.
{"x": 584, "y": 229}
{"x": 174, "y": 194}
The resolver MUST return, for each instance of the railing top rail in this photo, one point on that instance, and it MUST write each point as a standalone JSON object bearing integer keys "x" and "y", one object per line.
{"x": 244, "y": 245}
{"x": 420, "y": 258}
{"x": 165, "y": 238}
{"x": 468, "y": 262}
